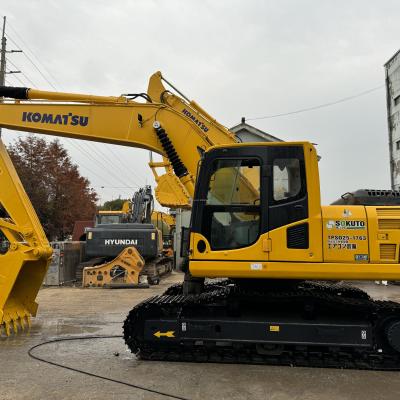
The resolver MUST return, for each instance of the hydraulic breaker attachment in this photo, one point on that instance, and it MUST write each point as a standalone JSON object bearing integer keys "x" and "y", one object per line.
{"x": 123, "y": 271}
{"x": 25, "y": 253}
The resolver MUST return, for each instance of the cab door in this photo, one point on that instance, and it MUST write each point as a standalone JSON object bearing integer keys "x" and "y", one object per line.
{"x": 294, "y": 212}
{"x": 229, "y": 219}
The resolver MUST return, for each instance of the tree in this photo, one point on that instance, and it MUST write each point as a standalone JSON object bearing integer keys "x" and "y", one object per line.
{"x": 59, "y": 194}
{"x": 113, "y": 205}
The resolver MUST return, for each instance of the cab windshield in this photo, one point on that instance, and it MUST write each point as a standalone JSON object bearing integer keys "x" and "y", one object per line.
{"x": 232, "y": 218}
{"x": 108, "y": 219}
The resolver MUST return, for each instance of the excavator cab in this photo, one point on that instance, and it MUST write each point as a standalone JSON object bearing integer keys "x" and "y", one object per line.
{"x": 257, "y": 214}
{"x": 255, "y": 203}
{"x": 257, "y": 219}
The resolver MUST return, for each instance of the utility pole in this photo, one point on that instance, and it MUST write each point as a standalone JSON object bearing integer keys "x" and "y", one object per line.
{"x": 3, "y": 54}
{"x": 3, "y": 57}
{"x": 3, "y": 71}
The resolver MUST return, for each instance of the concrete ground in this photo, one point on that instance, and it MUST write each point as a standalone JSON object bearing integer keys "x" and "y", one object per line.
{"x": 74, "y": 311}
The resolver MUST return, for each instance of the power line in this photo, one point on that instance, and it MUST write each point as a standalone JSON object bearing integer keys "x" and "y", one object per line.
{"x": 31, "y": 61}
{"x": 87, "y": 154}
{"x": 102, "y": 155}
{"x": 27, "y": 78}
{"x": 332, "y": 103}
{"x": 122, "y": 165}
{"x": 70, "y": 141}
{"x": 33, "y": 54}
{"x": 96, "y": 148}
{"x": 19, "y": 80}
{"x": 106, "y": 164}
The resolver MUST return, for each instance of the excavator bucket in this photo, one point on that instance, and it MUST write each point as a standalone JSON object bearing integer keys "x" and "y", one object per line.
{"x": 24, "y": 251}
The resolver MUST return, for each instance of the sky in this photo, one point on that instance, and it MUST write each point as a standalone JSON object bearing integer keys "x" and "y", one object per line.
{"x": 235, "y": 58}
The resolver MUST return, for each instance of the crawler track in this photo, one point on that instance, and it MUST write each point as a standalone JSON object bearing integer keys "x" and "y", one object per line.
{"x": 231, "y": 324}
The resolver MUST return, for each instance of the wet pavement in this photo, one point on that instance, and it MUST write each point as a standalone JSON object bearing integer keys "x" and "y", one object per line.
{"x": 65, "y": 312}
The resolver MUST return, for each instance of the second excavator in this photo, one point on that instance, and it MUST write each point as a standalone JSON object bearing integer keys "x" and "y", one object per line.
{"x": 136, "y": 225}
{"x": 257, "y": 225}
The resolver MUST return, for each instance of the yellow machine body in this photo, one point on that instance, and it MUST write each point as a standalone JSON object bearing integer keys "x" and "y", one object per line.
{"x": 184, "y": 134}
{"x": 26, "y": 257}
{"x": 346, "y": 242}
{"x": 123, "y": 270}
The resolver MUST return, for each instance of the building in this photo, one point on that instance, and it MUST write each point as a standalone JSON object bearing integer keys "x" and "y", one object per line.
{"x": 392, "y": 70}
{"x": 246, "y": 133}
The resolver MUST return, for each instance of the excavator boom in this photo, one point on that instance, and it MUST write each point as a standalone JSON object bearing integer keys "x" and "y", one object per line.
{"x": 174, "y": 127}
{"x": 166, "y": 124}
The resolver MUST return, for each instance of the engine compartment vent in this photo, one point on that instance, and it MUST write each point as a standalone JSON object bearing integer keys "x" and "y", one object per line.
{"x": 388, "y": 212}
{"x": 389, "y": 223}
{"x": 388, "y": 251}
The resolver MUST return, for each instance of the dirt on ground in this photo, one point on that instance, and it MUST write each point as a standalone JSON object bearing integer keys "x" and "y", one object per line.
{"x": 68, "y": 312}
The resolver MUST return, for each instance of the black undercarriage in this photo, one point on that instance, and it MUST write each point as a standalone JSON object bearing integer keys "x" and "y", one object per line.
{"x": 306, "y": 323}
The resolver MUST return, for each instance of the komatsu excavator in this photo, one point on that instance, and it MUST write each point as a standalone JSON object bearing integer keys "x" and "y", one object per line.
{"x": 257, "y": 223}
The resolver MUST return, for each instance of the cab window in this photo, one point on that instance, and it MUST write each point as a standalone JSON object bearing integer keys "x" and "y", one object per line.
{"x": 286, "y": 178}
{"x": 232, "y": 210}
{"x": 108, "y": 219}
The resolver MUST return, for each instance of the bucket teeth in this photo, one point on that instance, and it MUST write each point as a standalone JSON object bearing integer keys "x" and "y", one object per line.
{"x": 7, "y": 328}
{"x": 15, "y": 326}
{"x": 16, "y": 323}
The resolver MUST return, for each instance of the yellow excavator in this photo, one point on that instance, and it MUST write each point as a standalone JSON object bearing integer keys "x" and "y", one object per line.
{"x": 257, "y": 225}
{"x": 137, "y": 224}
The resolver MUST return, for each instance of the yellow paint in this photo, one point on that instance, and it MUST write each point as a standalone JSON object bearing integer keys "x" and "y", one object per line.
{"x": 345, "y": 243}
{"x": 24, "y": 266}
{"x": 255, "y": 252}
{"x": 168, "y": 334}
{"x": 384, "y": 234}
{"x": 101, "y": 275}
{"x": 296, "y": 270}
{"x": 119, "y": 120}
{"x": 274, "y": 328}
{"x": 314, "y": 253}
{"x": 114, "y": 120}
{"x": 341, "y": 243}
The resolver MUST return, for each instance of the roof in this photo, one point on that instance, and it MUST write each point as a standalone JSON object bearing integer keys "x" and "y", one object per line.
{"x": 79, "y": 229}
{"x": 391, "y": 58}
{"x": 244, "y": 127}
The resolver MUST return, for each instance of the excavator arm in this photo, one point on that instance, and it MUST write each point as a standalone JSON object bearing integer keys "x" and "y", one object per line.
{"x": 24, "y": 261}
{"x": 170, "y": 125}
{"x": 178, "y": 129}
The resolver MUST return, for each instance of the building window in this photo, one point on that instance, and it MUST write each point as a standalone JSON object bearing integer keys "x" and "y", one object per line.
{"x": 398, "y": 145}
{"x": 396, "y": 100}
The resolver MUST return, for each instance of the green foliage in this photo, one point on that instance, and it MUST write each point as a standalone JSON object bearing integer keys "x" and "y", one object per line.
{"x": 113, "y": 205}
{"x": 59, "y": 194}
